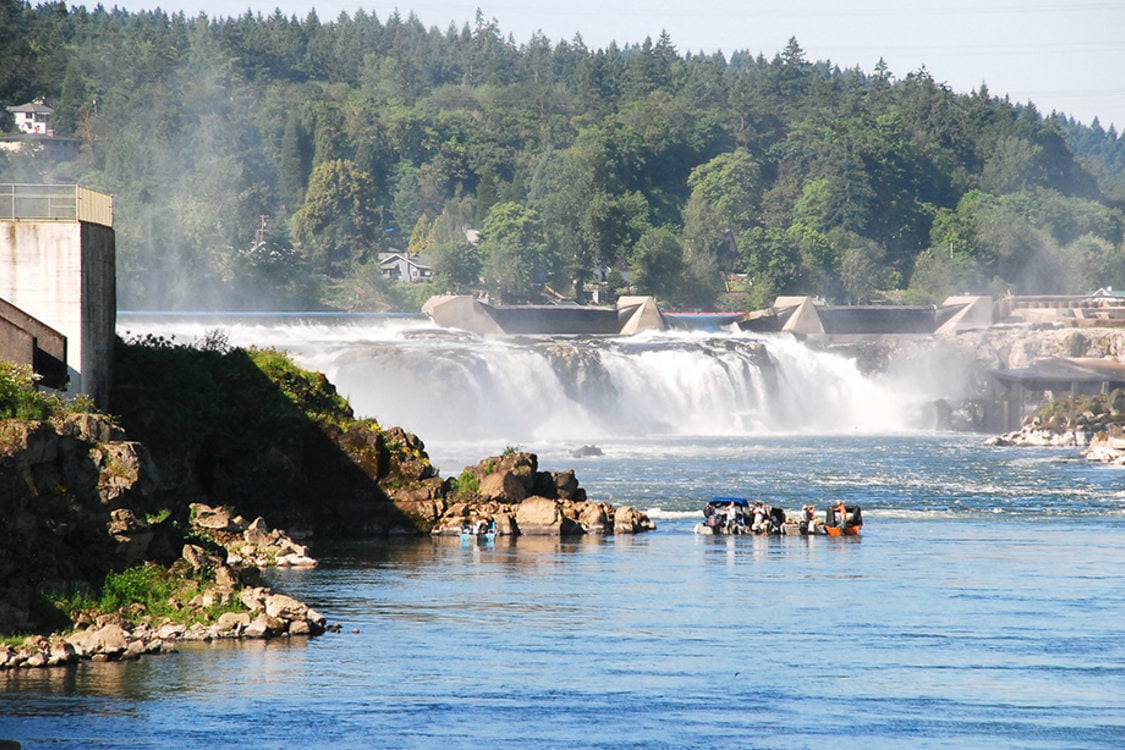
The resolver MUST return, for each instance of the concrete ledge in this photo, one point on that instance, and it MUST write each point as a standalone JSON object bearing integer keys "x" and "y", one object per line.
{"x": 630, "y": 316}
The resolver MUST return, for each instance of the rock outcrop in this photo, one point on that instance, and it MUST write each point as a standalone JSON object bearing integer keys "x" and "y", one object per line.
{"x": 510, "y": 493}
{"x": 1093, "y": 423}
{"x": 249, "y": 542}
{"x": 74, "y": 503}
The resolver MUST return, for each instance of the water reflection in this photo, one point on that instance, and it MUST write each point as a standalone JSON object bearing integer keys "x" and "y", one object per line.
{"x": 150, "y": 677}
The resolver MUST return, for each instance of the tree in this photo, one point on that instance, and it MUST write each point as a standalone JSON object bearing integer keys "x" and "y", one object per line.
{"x": 725, "y": 200}
{"x": 294, "y": 162}
{"x": 73, "y": 100}
{"x": 658, "y": 264}
{"x": 939, "y": 273}
{"x": 518, "y": 260}
{"x": 592, "y": 218}
{"x": 339, "y": 221}
{"x": 456, "y": 266}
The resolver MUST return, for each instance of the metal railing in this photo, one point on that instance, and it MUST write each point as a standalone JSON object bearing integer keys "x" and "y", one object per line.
{"x": 55, "y": 203}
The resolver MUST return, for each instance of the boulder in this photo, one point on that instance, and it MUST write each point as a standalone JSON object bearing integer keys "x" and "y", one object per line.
{"x": 206, "y": 517}
{"x": 90, "y": 428}
{"x": 504, "y": 486}
{"x": 123, "y": 467}
{"x": 540, "y": 516}
{"x": 566, "y": 484}
{"x": 627, "y": 520}
{"x": 198, "y": 559}
{"x": 258, "y": 532}
{"x": 233, "y": 622}
{"x": 28, "y": 442}
{"x": 264, "y": 626}
{"x": 109, "y": 640}
{"x": 285, "y": 607}
{"x": 593, "y": 518}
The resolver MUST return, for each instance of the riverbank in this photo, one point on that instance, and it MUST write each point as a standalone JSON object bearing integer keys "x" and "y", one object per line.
{"x": 1094, "y": 424}
{"x": 118, "y": 547}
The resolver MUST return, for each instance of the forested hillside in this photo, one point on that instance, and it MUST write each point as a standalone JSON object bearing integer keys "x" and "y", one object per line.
{"x": 264, "y": 161}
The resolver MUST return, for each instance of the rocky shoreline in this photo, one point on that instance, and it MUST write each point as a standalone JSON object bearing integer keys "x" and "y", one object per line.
{"x": 81, "y": 499}
{"x": 1095, "y": 424}
{"x": 113, "y": 637}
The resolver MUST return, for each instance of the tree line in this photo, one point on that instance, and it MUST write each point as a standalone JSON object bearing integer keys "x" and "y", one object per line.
{"x": 264, "y": 161}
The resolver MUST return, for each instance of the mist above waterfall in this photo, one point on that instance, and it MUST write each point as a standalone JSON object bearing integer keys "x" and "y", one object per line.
{"x": 452, "y": 386}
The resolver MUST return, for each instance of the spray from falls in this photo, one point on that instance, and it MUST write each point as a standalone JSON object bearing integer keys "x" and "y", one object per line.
{"x": 451, "y": 386}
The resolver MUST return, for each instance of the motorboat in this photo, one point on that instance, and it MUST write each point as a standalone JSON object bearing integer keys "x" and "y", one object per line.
{"x": 849, "y": 525}
{"x": 735, "y": 515}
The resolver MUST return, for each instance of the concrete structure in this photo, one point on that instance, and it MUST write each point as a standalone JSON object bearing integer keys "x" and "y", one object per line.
{"x": 1104, "y": 307}
{"x": 28, "y": 341}
{"x": 1018, "y": 392}
{"x": 57, "y": 265}
{"x": 967, "y": 312}
{"x": 803, "y": 317}
{"x": 630, "y": 316}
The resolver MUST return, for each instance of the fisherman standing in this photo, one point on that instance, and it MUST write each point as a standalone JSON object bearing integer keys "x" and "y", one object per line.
{"x": 732, "y": 517}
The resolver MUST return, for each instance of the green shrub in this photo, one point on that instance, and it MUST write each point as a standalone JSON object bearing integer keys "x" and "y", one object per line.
{"x": 147, "y": 584}
{"x": 18, "y": 397}
{"x": 466, "y": 484}
{"x": 309, "y": 391}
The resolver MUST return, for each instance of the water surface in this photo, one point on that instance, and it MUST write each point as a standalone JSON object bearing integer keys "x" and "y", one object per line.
{"x": 981, "y": 607}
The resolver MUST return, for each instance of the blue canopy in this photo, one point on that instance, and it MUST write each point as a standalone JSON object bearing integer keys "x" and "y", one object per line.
{"x": 729, "y": 501}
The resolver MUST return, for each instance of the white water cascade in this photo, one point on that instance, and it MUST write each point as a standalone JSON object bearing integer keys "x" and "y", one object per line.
{"x": 447, "y": 385}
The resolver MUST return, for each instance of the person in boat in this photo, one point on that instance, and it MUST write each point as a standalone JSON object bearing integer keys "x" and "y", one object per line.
{"x": 776, "y": 520}
{"x": 808, "y": 519}
{"x": 841, "y": 512}
{"x": 759, "y": 524}
{"x": 732, "y": 517}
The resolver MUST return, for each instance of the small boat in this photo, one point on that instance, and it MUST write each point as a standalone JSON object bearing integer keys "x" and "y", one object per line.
{"x": 724, "y": 515}
{"x": 847, "y": 526}
{"x": 734, "y": 515}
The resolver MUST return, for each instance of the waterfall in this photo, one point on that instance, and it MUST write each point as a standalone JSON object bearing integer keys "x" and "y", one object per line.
{"x": 446, "y": 385}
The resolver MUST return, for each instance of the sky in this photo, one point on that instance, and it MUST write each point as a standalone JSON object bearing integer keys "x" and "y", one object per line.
{"x": 1062, "y": 55}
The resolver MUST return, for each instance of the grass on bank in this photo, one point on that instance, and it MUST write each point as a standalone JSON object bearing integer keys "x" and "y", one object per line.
{"x": 19, "y": 398}
{"x": 151, "y": 591}
{"x": 144, "y": 592}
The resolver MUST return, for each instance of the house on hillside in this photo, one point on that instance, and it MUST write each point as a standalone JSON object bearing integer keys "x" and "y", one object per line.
{"x": 33, "y": 118}
{"x": 411, "y": 268}
{"x": 34, "y": 133}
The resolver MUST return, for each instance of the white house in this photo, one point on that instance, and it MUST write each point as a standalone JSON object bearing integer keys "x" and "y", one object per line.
{"x": 404, "y": 266}
{"x": 33, "y": 118}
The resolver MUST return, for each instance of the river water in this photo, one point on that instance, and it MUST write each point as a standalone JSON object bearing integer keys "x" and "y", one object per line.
{"x": 981, "y": 607}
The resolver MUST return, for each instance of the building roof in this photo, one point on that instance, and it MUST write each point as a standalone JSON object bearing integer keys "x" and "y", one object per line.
{"x": 38, "y": 107}
{"x": 416, "y": 259}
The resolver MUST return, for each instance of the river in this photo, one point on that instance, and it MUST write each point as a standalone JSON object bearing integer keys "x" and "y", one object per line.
{"x": 981, "y": 607}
